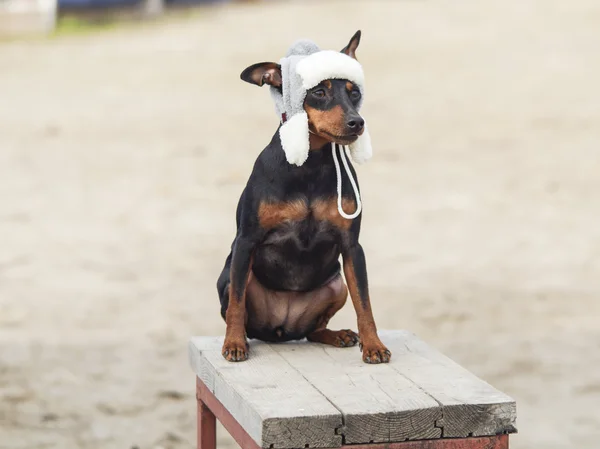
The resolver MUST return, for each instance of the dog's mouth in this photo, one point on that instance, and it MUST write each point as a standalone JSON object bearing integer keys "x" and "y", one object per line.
{"x": 343, "y": 139}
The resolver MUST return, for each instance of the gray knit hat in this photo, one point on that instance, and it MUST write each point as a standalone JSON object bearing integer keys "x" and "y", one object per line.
{"x": 303, "y": 67}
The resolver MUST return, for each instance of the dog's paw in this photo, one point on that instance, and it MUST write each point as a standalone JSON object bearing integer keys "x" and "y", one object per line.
{"x": 340, "y": 339}
{"x": 375, "y": 352}
{"x": 235, "y": 351}
{"x": 346, "y": 338}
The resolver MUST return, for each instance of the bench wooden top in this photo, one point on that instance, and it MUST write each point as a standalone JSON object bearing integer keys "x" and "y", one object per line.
{"x": 297, "y": 395}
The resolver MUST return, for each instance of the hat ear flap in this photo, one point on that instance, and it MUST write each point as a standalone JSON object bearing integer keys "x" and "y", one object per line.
{"x": 295, "y": 139}
{"x": 361, "y": 150}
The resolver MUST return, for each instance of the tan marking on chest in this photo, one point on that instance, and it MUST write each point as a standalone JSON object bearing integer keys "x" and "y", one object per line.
{"x": 327, "y": 210}
{"x": 271, "y": 215}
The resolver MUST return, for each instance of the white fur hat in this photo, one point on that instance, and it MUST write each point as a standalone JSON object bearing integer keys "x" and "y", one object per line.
{"x": 303, "y": 67}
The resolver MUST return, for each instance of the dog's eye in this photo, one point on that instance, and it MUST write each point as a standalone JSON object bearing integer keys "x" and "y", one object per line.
{"x": 319, "y": 93}
{"x": 355, "y": 94}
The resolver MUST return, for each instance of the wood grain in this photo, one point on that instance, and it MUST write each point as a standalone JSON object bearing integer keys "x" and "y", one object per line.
{"x": 270, "y": 399}
{"x": 378, "y": 405}
{"x": 471, "y": 407}
{"x": 297, "y": 394}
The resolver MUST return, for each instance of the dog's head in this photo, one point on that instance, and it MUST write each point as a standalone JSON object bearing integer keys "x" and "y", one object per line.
{"x": 331, "y": 106}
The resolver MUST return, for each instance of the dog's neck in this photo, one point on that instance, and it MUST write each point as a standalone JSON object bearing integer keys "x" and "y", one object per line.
{"x": 317, "y": 158}
{"x": 317, "y": 142}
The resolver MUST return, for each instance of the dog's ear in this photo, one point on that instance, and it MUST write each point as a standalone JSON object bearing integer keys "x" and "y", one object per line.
{"x": 350, "y": 49}
{"x": 263, "y": 73}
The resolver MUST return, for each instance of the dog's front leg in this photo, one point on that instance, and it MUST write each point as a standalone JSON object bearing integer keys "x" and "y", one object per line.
{"x": 235, "y": 347}
{"x": 355, "y": 270}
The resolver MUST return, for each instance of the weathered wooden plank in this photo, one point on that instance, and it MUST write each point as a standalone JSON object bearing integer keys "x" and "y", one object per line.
{"x": 298, "y": 394}
{"x": 274, "y": 404}
{"x": 470, "y": 406}
{"x": 378, "y": 404}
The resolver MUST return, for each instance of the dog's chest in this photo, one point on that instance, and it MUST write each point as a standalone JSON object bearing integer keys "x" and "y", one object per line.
{"x": 301, "y": 245}
{"x": 302, "y": 213}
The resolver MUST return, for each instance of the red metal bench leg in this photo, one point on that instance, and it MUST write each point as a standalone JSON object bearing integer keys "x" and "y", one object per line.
{"x": 496, "y": 442}
{"x": 207, "y": 426}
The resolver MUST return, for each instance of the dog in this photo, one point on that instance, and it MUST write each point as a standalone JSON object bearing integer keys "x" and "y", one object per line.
{"x": 282, "y": 278}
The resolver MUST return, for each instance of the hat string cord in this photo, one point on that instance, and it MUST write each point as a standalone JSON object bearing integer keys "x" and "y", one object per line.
{"x": 338, "y": 174}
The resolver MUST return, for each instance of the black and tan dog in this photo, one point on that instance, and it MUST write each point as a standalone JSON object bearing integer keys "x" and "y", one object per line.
{"x": 282, "y": 279}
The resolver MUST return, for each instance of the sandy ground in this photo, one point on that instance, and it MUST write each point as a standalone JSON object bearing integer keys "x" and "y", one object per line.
{"x": 123, "y": 153}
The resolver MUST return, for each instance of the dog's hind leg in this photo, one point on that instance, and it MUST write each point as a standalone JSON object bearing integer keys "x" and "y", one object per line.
{"x": 342, "y": 338}
{"x": 223, "y": 286}
{"x": 225, "y": 276}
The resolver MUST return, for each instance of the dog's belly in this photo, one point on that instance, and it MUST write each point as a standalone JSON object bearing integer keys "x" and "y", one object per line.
{"x": 298, "y": 256}
{"x": 283, "y": 315}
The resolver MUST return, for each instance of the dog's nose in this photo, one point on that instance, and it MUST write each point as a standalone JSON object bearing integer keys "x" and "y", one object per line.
{"x": 355, "y": 124}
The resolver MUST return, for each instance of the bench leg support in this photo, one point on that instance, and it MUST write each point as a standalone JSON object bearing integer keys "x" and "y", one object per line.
{"x": 207, "y": 426}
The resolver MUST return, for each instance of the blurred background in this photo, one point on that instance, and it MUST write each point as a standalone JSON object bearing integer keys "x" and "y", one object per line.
{"x": 126, "y": 138}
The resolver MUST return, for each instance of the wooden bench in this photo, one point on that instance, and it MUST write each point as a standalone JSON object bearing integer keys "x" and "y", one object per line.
{"x": 305, "y": 395}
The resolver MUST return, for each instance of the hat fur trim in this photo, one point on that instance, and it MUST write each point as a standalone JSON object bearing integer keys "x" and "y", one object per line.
{"x": 295, "y": 139}
{"x": 361, "y": 150}
{"x": 329, "y": 64}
